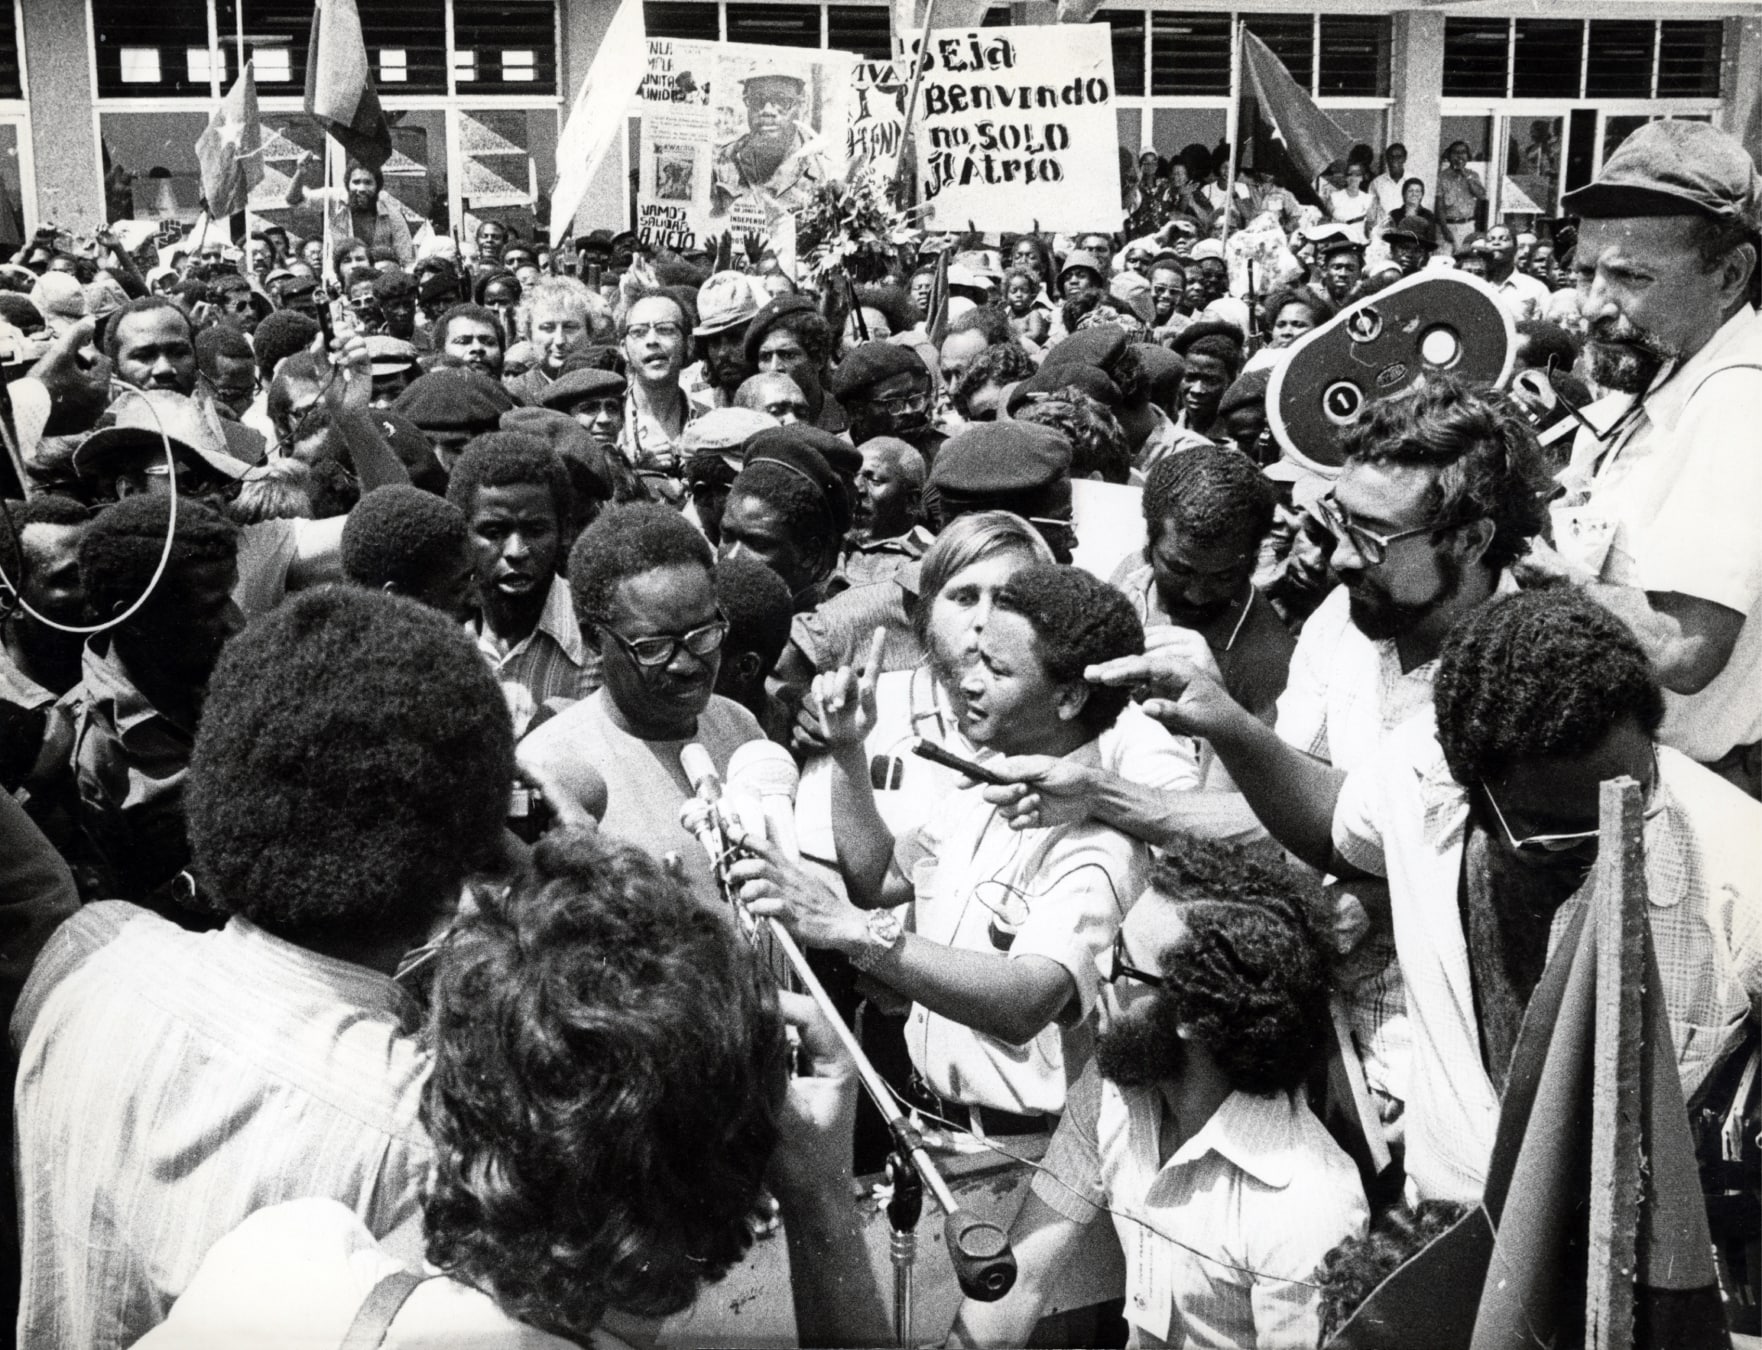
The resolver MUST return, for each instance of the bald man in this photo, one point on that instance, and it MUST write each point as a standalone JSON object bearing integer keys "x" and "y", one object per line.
{"x": 775, "y": 394}
{"x": 886, "y": 524}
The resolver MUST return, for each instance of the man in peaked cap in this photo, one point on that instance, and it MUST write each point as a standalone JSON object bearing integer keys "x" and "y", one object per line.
{"x": 1658, "y": 520}
{"x": 780, "y": 160}
{"x": 1008, "y": 466}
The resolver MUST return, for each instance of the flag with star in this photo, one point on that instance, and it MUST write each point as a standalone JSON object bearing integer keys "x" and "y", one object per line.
{"x": 339, "y": 88}
{"x": 230, "y": 149}
{"x": 1279, "y": 128}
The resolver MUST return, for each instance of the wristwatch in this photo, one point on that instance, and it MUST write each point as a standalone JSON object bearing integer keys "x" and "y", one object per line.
{"x": 883, "y": 931}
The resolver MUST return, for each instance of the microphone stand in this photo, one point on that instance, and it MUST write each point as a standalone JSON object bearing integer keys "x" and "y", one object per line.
{"x": 902, "y": 1216}
{"x": 984, "y": 1265}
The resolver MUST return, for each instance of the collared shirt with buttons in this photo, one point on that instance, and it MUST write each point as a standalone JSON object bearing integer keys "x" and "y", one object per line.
{"x": 1222, "y": 1241}
{"x": 550, "y": 667}
{"x": 1403, "y": 817}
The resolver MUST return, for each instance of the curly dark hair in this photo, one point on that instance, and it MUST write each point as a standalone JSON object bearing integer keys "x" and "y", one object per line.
{"x": 120, "y": 551}
{"x": 342, "y": 248}
{"x": 989, "y": 321}
{"x": 144, "y": 305}
{"x": 46, "y": 508}
{"x": 1078, "y": 621}
{"x": 403, "y": 536}
{"x": 1248, "y": 977}
{"x": 503, "y": 458}
{"x": 357, "y": 808}
{"x": 481, "y": 313}
{"x": 1350, "y": 1273}
{"x": 810, "y": 329}
{"x": 1098, "y": 445}
{"x": 626, "y": 541}
{"x": 281, "y": 335}
{"x": 1219, "y": 348}
{"x": 758, "y": 606}
{"x": 1005, "y": 363}
{"x": 1489, "y": 464}
{"x": 218, "y": 340}
{"x": 811, "y": 519}
{"x": 1212, "y": 495}
{"x": 1542, "y": 673}
{"x": 893, "y": 303}
{"x": 608, "y": 1070}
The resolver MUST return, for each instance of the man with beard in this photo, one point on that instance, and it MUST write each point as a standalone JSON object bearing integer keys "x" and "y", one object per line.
{"x": 886, "y": 391}
{"x": 1657, "y": 522}
{"x": 152, "y": 345}
{"x": 515, "y": 494}
{"x": 780, "y": 160}
{"x": 726, "y": 303}
{"x": 1190, "y": 1126}
{"x": 361, "y": 209}
{"x": 471, "y": 336}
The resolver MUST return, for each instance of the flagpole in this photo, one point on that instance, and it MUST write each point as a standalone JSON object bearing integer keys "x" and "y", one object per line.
{"x": 908, "y": 156}
{"x": 1232, "y": 125}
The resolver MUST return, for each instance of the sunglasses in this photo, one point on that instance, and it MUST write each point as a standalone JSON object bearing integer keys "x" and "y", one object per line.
{"x": 651, "y": 653}
{"x": 1121, "y": 969}
{"x": 1548, "y": 844}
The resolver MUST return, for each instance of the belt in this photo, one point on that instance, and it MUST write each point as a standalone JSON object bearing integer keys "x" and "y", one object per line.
{"x": 989, "y": 1120}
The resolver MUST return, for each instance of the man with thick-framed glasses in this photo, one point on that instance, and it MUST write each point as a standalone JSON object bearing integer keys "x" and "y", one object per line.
{"x": 644, "y": 589}
{"x": 1658, "y": 517}
{"x": 1483, "y": 822}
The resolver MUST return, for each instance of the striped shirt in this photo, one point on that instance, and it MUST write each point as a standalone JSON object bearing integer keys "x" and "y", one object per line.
{"x": 550, "y": 667}
{"x": 171, "y": 1083}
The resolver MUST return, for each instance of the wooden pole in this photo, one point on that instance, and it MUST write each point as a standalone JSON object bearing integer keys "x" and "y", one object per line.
{"x": 1232, "y": 127}
{"x": 1620, "y": 897}
{"x": 908, "y": 158}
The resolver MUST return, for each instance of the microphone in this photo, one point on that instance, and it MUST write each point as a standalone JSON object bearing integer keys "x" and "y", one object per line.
{"x": 700, "y": 772}
{"x": 699, "y": 820}
{"x": 767, "y": 771}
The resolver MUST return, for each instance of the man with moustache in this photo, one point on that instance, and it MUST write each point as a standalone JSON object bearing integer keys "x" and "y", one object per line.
{"x": 1190, "y": 1124}
{"x": 1658, "y": 518}
{"x": 726, "y": 303}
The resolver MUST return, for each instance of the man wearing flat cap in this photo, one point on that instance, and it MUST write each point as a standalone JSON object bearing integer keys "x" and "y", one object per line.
{"x": 1658, "y": 521}
{"x": 780, "y": 160}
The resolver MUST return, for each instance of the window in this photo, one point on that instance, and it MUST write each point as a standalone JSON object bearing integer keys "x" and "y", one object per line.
{"x": 686, "y": 20}
{"x": 140, "y": 65}
{"x": 11, "y": 81}
{"x": 201, "y": 68}
{"x": 143, "y": 50}
{"x": 394, "y": 65}
{"x": 1291, "y": 38}
{"x": 415, "y": 28}
{"x": 1128, "y": 49}
{"x": 1354, "y": 56}
{"x": 273, "y": 65}
{"x": 515, "y": 43}
{"x": 1621, "y": 58}
{"x": 775, "y": 25}
{"x": 863, "y": 29}
{"x": 1689, "y": 53}
{"x": 1190, "y": 54}
{"x": 1476, "y": 57}
{"x": 465, "y": 67}
{"x": 1549, "y": 55}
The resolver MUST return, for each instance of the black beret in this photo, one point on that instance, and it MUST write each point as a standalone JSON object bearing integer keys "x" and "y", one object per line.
{"x": 1001, "y": 459}
{"x": 780, "y": 445}
{"x": 1100, "y": 346}
{"x": 1074, "y": 374}
{"x": 844, "y": 458}
{"x": 583, "y": 382}
{"x": 1162, "y": 370}
{"x": 766, "y": 319}
{"x": 1247, "y": 391}
{"x": 1217, "y": 328}
{"x": 870, "y": 363}
{"x": 454, "y": 399}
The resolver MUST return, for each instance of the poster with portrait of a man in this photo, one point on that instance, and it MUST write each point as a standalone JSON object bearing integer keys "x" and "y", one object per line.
{"x": 779, "y": 131}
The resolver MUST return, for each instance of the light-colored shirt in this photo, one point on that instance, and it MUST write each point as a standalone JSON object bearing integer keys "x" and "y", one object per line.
{"x": 1387, "y": 191}
{"x": 1403, "y": 817}
{"x": 1167, "y": 437}
{"x": 1458, "y": 194}
{"x": 551, "y": 666}
{"x": 293, "y": 1276}
{"x": 1261, "y": 1188}
{"x": 1063, "y": 889}
{"x": 389, "y": 227}
{"x": 171, "y": 1083}
{"x": 1679, "y": 494}
{"x": 1522, "y": 296}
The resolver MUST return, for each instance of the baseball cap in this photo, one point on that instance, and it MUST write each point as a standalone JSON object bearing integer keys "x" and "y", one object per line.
{"x": 1670, "y": 168}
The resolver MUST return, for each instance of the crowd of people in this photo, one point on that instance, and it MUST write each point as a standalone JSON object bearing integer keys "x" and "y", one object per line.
{"x": 366, "y": 985}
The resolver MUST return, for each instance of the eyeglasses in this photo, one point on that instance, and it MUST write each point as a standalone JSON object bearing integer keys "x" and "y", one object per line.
{"x": 639, "y": 331}
{"x": 1549, "y": 844}
{"x": 1124, "y": 970}
{"x": 1628, "y": 417}
{"x": 651, "y": 653}
{"x": 904, "y": 403}
{"x": 1369, "y": 545}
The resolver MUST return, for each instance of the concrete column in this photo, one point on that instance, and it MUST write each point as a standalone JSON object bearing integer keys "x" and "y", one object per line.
{"x": 64, "y": 143}
{"x": 1416, "y": 80}
{"x": 606, "y": 205}
{"x": 1740, "y": 110}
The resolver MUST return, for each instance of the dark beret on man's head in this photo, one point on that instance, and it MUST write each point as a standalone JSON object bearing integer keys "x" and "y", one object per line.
{"x": 626, "y": 541}
{"x": 454, "y": 399}
{"x": 1213, "y": 329}
{"x": 394, "y": 286}
{"x": 796, "y": 452}
{"x": 993, "y": 459}
{"x": 870, "y": 363}
{"x": 402, "y": 536}
{"x": 798, "y": 313}
{"x": 352, "y": 765}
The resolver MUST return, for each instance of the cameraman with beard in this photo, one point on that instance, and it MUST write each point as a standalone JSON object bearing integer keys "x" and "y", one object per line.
{"x": 1658, "y": 518}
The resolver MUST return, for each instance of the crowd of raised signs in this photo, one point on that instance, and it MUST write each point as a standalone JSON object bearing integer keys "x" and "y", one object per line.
{"x": 367, "y": 984}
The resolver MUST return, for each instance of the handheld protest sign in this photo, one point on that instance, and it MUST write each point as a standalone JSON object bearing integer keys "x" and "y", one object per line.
{"x": 1436, "y": 323}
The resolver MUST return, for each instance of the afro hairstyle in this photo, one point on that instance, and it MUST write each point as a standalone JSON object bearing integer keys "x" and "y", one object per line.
{"x": 758, "y": 607}
{"x": 1211, "y": 495}
{"x": 626, "y": 541}
{"x": 403, "y": 537}
{"x": 356, "y": 809}
{"x": 144, "y": 305}
{"x": 892, "y": 302}
{"x": 608, "y": 1062}
{"x": 1489, "y": 464}
{"x": 504, "y": 458}
{"x": 278, "y": 337}
{"x": 806, "y": 513}
{"x": 1352, "y": 1271}
{"x": 1540, "y": 674}
{"x": 1078, "y": 622}
{"x": 218, "y": 340}
{"x": 121, "y": 548}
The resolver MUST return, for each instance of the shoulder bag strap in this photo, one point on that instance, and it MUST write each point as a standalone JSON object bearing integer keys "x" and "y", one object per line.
{"x": 374, "y": 1318}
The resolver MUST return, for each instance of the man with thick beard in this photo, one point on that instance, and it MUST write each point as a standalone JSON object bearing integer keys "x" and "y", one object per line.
{"x": 1190, "y": 1124}
{"x": 1658, "y": 521}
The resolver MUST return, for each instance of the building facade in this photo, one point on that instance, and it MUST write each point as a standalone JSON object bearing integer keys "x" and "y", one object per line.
{"x": 101, "y": 101}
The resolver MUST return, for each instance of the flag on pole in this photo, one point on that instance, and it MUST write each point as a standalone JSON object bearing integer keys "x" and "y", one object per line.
{"x": 1279, "y": 128}
{"x": 597, "y": 119}
{"x": 339, "y": 87}
{"x": 1077, "y": 11}
{"x": 230, "y": 149}
{"x": 908, "y": 16}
